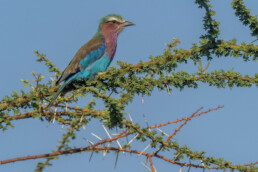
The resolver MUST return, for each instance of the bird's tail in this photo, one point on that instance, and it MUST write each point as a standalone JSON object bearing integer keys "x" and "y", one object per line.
{"x": 67, "y": 82}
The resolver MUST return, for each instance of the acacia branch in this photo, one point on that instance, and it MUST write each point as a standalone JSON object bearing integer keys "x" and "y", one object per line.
{"x": 98, "y": 148}
{"x": 123, "y": 134}
{"x": 184, "y": 54}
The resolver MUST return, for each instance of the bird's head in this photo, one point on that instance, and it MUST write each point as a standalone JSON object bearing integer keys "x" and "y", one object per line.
{"x": 113, "y": 23}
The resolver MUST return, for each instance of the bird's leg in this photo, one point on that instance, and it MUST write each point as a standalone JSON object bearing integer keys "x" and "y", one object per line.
{"x": 101, "y": 73}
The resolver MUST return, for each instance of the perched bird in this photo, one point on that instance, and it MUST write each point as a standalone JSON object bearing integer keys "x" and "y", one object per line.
{"x": 96, "y": 55}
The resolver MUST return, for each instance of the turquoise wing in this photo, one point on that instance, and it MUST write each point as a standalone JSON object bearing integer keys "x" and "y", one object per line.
{"x": 85, "y": 56}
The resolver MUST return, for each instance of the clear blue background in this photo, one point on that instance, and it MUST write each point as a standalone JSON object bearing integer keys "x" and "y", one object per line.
{"x": 59, "y": 28}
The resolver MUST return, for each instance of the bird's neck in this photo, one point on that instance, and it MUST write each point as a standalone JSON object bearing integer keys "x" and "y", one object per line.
{"x": 111, "y": 43}
{"x": 110, "y": 35}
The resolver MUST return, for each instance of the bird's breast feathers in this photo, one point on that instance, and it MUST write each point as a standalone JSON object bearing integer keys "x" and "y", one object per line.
{"x": 92, "y": 57}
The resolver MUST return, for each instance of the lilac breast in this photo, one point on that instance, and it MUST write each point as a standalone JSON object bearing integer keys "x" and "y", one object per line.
{"x": 111, "y": 46}
{"x": 111, "y": 41}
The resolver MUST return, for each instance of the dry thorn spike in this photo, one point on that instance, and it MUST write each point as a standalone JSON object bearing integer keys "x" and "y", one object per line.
{"x": 110, "y": 137}
{"x": 116, "y": 158}
{"x": 176, "y": 156}
{"x": 106, "y": 131}
{"x": 66, "y": 107}
{"x": 162, "y": 132}
{"x": 54, "y": 119}
{"x": 91, "y": 155}
{"x": 132, "y": 139}
{"x": 145, "y": 119}
{"x": 131, "y": 119}
{"x": 189, "y": 166}
{"x": 51, "y": 79}
{"x": 96, "y": 136}
{"x": 202, "y": 163}
{"x": 90, "y": 142}
{"x": 81, "y": 118}
{"x": 115, "y": 134}
{"x": 144, "y": 150}
{"x": 61, "y": 129}
{"x": 168, "y": 89}
{"x": 146, "y": 166}
{"x": 105, "y": 151}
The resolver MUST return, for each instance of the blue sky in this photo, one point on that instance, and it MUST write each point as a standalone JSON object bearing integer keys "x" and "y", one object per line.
{"x": 59, "y": 28}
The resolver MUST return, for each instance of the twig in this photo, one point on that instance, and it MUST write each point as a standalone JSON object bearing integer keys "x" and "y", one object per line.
{"x": 151, "y": 164}
{"x": 186, "y": 120}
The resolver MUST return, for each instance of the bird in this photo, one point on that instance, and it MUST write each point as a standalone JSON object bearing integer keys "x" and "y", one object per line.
{"x": 96, "y": 55}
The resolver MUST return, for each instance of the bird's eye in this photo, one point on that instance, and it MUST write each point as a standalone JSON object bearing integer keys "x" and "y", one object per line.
{"x": 114, "y": 21}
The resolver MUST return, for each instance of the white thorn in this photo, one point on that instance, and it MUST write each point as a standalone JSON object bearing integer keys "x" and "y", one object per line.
{"x": 144, "y": 149}
{"x": 106, "y": 131}
{"x": 163, "y": 132}
{"x": 54, "y": 115}
{"x": 131, "y": 119}
{"x": 90, "y": 142}
{"x": 66, "y": 107}
{"x": 202, "y": 163}
{"x": 115, "y": 134}
{"x": 110, "y": 137}
{"x": 119, "y": 145}
{"x": 168, "y": 89}
{"x": 61, "y": 129}
{"x": 51, "y": 79}
{"x": 180, "y": 169}
{"x": 146, "y": 166}
{"x": 81, "y": 118}
{"x": 142, "y": 100}
{"x": 96, "y": 136}
{"x": 176, "y": 156}
{"x": 84, "y": 127}
{"x": 132, "y": 139}
{"x": 146, "y": 122}
{"x": 105, "y": 151}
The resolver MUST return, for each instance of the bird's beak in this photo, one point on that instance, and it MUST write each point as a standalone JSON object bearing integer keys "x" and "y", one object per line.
{"x": 127, "y": 23}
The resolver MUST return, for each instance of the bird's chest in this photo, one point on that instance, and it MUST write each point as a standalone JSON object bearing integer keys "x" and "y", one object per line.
{"x": 100, "y": 65}
{"x": 111, "y": 44}
{"x": 111, "y": 47}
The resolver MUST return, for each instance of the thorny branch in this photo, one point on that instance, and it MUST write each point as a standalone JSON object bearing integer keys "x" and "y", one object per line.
{"x": 97, "y": 146}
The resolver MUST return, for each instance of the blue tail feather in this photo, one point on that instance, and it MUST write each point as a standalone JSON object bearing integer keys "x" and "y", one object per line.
{"x": 67, "y": 82}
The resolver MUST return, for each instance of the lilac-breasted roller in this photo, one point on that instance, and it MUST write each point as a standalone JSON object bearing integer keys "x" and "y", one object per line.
{"x": 96, "y": 55}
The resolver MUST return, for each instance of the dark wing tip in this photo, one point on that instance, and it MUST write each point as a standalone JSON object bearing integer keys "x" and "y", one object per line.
{"x": 57, "y": 82}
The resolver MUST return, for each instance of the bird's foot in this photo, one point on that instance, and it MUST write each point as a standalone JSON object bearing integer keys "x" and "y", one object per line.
{"x": 101, "y": 73}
